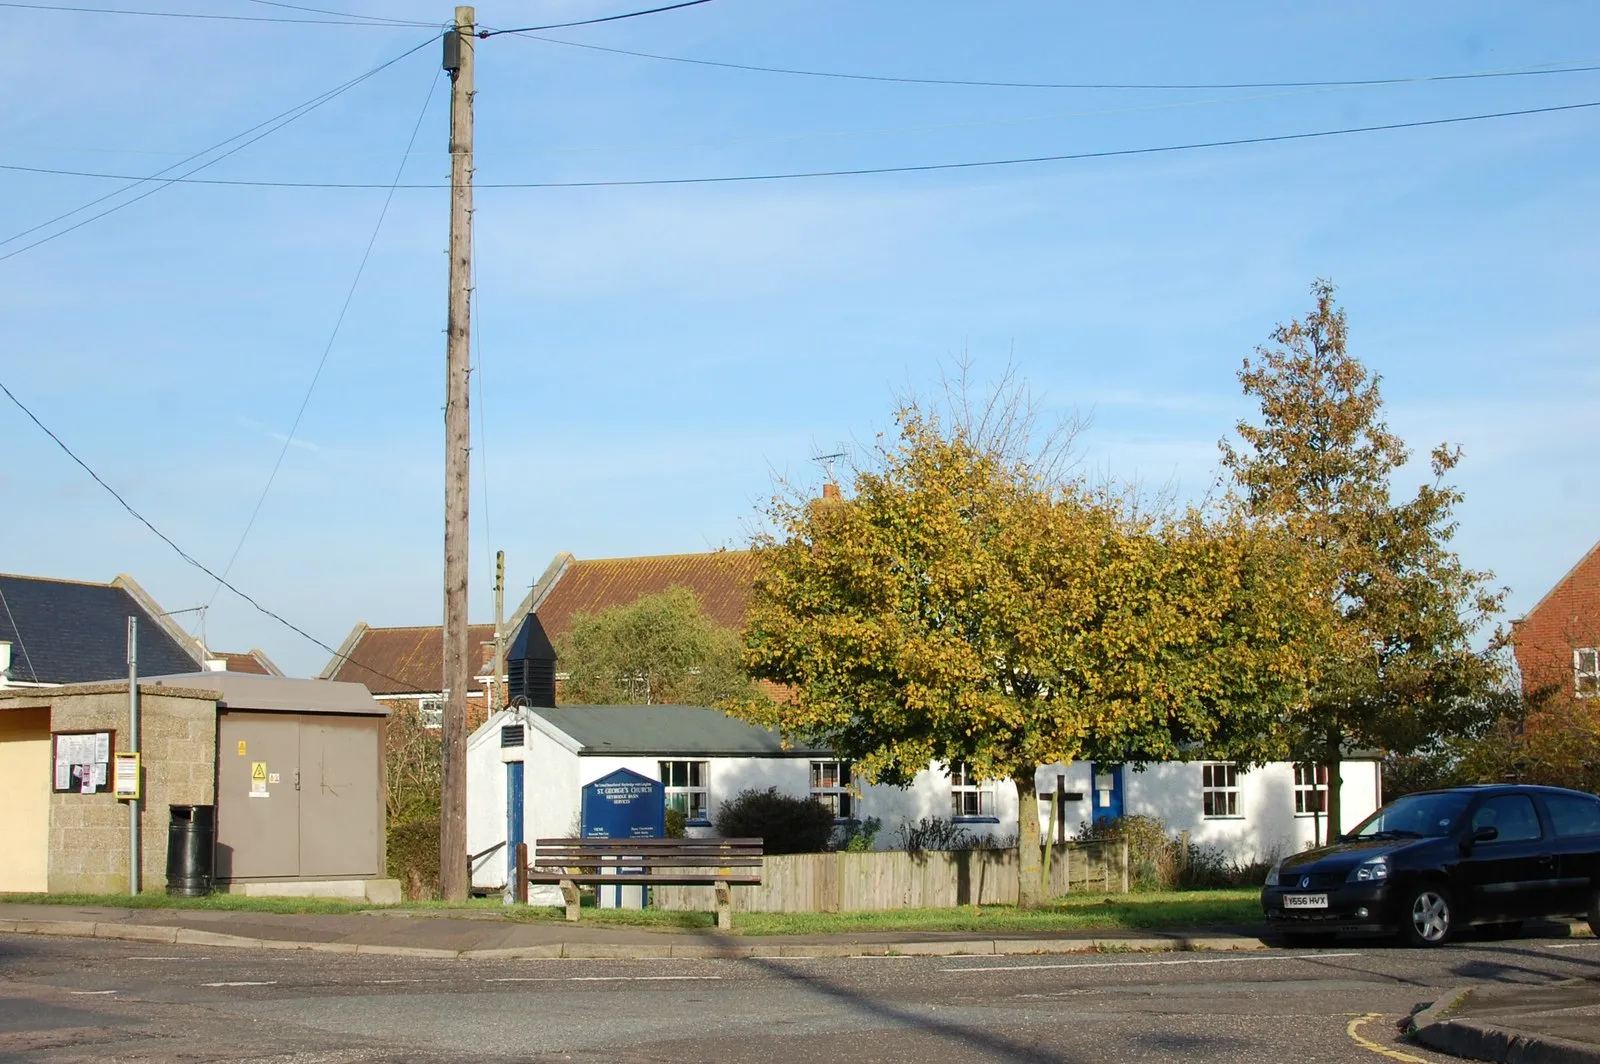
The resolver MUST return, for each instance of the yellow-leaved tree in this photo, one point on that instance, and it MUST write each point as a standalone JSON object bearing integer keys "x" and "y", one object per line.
{"x": 965, "y": 603}
{"x": 1402, "y": 672}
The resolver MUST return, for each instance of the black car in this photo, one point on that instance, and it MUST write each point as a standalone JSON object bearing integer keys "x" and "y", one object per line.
{"x": 1429, "y": 864}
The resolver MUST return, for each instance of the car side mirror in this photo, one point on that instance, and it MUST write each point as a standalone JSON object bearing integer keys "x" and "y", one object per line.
{"x": 1481, "y": 835}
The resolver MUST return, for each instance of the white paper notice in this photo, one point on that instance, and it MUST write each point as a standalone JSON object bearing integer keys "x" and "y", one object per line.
{"x": 100, "y": 768}
{"x": 102, "y": 749}
{"x": 86, "y": 776}
{"x": 63, "y": 775}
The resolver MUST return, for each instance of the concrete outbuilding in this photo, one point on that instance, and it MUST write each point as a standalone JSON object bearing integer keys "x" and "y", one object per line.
{"x": 295, "y": 769}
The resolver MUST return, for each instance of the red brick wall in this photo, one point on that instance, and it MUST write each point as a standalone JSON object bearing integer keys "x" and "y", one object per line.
{"x": 1569, "y": 617}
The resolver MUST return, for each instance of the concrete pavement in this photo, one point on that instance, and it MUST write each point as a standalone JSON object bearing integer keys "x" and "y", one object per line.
{"x": 1521, "y": 1024}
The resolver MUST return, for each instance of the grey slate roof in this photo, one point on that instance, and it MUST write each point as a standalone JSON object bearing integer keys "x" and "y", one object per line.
{"x": 248, "y": 690}
{"x": 665, "y": 731}
{"x": 62, "y": 631}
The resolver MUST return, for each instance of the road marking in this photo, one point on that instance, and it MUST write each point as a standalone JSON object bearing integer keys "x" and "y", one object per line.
{"x": 604, "y": 978}
{"x": 1145, "y": 964}
{"x": 1149, "y": 964}
{"x": 167, "y": 958}
{"x": 1373, "y": 1047}
{"x": 90, "y": 993}
{"x": 1571, "y": 945}
{"x": 269, "y": 982}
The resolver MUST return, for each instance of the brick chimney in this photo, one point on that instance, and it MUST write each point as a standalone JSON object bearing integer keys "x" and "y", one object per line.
{"x": 830, "y": 491}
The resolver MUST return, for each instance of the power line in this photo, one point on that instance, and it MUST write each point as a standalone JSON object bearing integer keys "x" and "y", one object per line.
{"x": 1111, "y": 153}
{"x": 281, "y": 119}
{"x": 344, "y": 14}
{"x": 199, "y": 15}
{"x": 1539, "y": 70}
{"x": 487, "y": 33}
{"x": 327, "y": 348}
{"x": 20, "y": 641}
{"x": 185, "y": 554}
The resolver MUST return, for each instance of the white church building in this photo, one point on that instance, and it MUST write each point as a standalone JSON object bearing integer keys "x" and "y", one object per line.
{"x": 526, "y": 768}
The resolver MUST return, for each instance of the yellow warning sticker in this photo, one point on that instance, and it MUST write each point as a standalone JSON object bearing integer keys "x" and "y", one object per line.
{"x": 241, "y": 747}
{"x": 258, "y": 770}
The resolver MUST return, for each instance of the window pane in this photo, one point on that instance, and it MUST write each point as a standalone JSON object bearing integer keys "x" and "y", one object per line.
{"x": 1205, "y": 777}
{"x": 1233, "y": 803}
{"x": 845, "y": 805}
{"x": 1232, "y": 773}
{"x": 697, "y": 773}
{"x": 1208, "y": 803}
{"x": 1510, "y": 814}
{"x": 1572, "y": 815}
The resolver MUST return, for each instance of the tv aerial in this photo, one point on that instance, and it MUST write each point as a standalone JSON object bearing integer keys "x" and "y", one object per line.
{"x": 826, "y": 461}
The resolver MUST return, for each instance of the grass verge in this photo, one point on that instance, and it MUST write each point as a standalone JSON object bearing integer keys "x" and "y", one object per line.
{"x": 1086, "y": 912}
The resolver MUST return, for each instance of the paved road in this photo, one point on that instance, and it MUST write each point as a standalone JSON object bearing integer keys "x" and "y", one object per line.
{"x": 75, "y": 1000}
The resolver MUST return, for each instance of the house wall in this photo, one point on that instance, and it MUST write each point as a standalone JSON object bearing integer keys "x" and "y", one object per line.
{"x": 1567, "y": 618}
{"x": 89, "y": 832}
{"x": 1266, "y": 827}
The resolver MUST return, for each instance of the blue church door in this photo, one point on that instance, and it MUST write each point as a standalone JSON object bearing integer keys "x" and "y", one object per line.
{"x": 513, "y": 821}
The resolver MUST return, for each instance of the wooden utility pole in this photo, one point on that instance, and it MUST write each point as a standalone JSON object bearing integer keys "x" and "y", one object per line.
{"x": 458, "y": 56}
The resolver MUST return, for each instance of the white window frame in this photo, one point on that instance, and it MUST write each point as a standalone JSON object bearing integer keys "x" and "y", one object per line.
{"x": 830, "y": 785}
{"x": 971, "y": 799}
{"x": 431, "y": 712}
{"x": 1310, "y": 781}
{"x": 1586, "y": 672}
{"x": 1219, "y": 790}
{"x": 692, "y": 797}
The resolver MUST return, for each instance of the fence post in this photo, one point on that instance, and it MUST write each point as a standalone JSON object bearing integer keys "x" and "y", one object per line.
{"x": 1183, "y": 856}
{"x": 522, "y": 873}
{"x": 1124, "y": 856}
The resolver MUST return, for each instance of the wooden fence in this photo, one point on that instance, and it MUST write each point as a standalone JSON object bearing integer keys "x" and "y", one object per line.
{"x": 891, "y": 879}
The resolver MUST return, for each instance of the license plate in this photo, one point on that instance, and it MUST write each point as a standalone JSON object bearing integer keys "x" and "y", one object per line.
{"x": 1305, "y": 901}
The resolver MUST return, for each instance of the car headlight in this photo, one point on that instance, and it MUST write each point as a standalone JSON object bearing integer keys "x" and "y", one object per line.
{"x": 1272, "y": 873}
{"x": 1370, "y": 871}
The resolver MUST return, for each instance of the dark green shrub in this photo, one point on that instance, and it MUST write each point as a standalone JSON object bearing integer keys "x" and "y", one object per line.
{"x": 784, "y": 824}
{"x": 859, "y": 836}
{"x": 1154, "y": 860}
{"x": 933, "y": 833}
{"x": 676, "y": 823}
{"x": 414, "y": 858}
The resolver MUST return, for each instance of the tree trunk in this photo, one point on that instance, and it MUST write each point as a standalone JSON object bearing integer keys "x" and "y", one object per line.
{"x": 1030, "y": 882}
{"x": 1334, "y": 757}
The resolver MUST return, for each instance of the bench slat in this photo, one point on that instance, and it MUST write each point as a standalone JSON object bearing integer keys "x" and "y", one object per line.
{"x": 645, "y": 861}
{"x": 645, "y": 880}
{"x": 663, "y": 843}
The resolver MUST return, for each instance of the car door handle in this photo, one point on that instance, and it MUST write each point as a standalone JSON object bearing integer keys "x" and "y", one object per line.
{"x": 1547, "y": 858}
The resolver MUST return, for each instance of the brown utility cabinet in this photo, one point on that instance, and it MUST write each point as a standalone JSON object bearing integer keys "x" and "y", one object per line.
{"x": 317, "y": 814}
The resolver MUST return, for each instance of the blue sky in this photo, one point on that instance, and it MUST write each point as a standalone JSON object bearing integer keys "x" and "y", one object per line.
{"x": 651, "y": 356}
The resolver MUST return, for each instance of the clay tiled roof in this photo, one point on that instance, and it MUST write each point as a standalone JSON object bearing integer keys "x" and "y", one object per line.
{"x": 408, "y": 660}
{"x": 722, "y": 579}
{"x": 254, "y": 661}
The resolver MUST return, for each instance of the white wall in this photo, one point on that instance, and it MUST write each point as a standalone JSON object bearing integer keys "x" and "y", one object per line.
{"x": 1267, "y": 825}
{"x": 555, "y": 775}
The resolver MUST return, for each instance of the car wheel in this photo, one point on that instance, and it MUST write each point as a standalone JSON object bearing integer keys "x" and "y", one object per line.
{"x": 1429, "y": 918}
{"x": 1594, "y": 914}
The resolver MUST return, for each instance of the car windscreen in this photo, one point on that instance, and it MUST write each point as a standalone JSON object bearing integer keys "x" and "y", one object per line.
{"x": 1414, "y": 816}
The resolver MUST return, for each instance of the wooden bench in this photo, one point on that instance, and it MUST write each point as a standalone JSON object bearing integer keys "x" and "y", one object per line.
{"x": 718, "y": 863}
